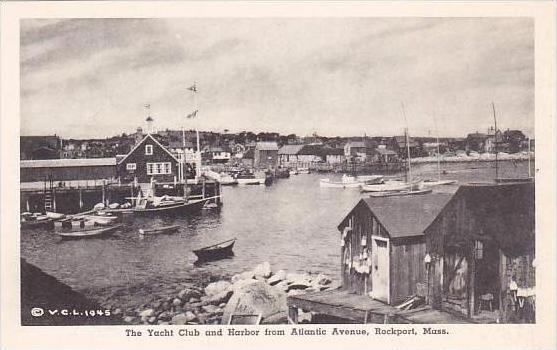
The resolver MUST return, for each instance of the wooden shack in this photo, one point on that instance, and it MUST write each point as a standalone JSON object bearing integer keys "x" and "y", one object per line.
{"x": 383, "y": 246}
{"x": 482, "y": 248}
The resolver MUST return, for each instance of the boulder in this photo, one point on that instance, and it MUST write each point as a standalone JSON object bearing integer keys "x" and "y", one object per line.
{"x": 255, "y": 298}
{"x": 165, "y": 316}
{"x": 152, "y": 320}
{"x": 293, "y": 292}
{"x": 277, "y": 277}
{"x": 216, "y": 288}
{"x": 117, "y": 312}
{"x": 147, "y": 313}
{"x": 129, "y": 319}
{"x": 263, "y": 270}
{"x": 222, "y": 297}
{"x": 322, "y": 279}
{"x": 282, "y": 285}
{"x": 188, "y": 293}
{"x": 190, "y": 316}
{"x": 298, "y": 281}
{"x": 177, "y": 302}
{"x": 247, "y": 275}
{"x": 211, "y": 309}
{"x": 179, "y": 319}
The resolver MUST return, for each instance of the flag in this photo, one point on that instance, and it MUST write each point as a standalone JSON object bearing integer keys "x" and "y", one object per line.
{"x": 148, "y": 106}
{"x": 193, "y": 88}
{"x": 192, "y": 114}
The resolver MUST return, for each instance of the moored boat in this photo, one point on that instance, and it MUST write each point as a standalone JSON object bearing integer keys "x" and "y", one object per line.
{"x": 88, "y": 233}
{"x": 303, "y": 171}
{"x": 159, "y": 230}
{"x": 392, "y": 185}
{"x": 227, "y": 180}
{"x": 400, "y": 193}
{"x": 216, "y": 251}
{"x": 249, "y": 179}
{"x": 348, "y": 181}
{"x": 31, "y": 221}
{"x": 431, "y": 183}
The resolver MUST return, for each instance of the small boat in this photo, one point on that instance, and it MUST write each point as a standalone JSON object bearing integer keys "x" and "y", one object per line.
{"x": 303, "y": 171}
{"x": 431, "y": 183}
{"x": 227, "y": 180}
{"x": 100, "y": 220}
{"x": 249, "y": 179}
{"x": 400, "y": 193}
{"x": 210, "y": 206}
{"x": 159, "y": 230}
{"x": 88, "y": 233}
{"x": 29, "y": 222}
{"x": 348, "y": 181}
{"x": 293, "y": 172}
{"x": 216, "y": 251}
{"x": 392, "y": 185}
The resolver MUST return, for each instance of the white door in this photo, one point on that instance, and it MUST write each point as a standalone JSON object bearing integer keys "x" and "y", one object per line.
{"x": 380, "y": 270}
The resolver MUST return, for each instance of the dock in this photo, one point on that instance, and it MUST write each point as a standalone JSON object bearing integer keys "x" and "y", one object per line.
{"x": 358, "y": 308}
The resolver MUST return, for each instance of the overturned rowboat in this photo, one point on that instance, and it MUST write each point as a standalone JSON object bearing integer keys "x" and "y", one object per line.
{"x": 216, "y": 251}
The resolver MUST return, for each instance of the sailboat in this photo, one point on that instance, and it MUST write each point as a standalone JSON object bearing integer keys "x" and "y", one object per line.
{"x": 399, "y": 188}
{"x": 438, "y": 182}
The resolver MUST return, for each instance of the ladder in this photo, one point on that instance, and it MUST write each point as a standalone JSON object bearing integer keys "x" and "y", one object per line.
{"x": 48, "y": 195}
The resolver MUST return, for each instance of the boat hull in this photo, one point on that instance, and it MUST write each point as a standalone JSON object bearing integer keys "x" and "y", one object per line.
{"x": 399, "y": 193}
{"x": 162, "y": 230}
{"x": 178, "y": 209}
{"x": 91, "y": 233}
{"x": 244, "y": 182}
{"x": 215, "y": 253}
{"x": 391, "y": 186}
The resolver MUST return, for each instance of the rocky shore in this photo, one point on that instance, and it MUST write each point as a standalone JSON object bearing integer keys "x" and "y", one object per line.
{"x": 259, "y": 292}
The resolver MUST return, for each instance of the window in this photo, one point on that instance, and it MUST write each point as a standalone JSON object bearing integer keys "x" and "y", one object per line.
{"x": 479, "y": 250}
{"x": 131, "y": 166}
{"x": 149, "y": 150}
{"x": 159, "y": 169}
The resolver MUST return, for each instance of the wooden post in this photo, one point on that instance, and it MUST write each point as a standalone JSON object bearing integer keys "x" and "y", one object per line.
{"x": 471, "y": 284}
{"x": 293, "y": 314}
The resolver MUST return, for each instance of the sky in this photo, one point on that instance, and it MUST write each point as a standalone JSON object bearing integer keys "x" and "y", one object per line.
{"x": 87, "y": 78}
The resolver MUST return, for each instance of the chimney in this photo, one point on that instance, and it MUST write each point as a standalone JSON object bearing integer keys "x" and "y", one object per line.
{"x": 138, "y": 135}
{"x": 149, "y": 121}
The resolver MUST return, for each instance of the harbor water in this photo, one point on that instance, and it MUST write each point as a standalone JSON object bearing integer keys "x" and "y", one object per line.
{"x": 291, "y": 224}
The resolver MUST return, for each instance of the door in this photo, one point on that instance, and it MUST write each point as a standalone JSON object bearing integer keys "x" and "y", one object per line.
{"x": 380, "y": 270}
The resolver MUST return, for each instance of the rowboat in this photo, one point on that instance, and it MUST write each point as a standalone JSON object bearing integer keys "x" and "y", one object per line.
{"x": 227, "y": 180}
{"x": 392, "y": 186}
{"x": 303, "y": 171}
{"x": 400, "y": 193}
{"x": 88, "y": 233}
{"x": 35, "y": 222}
{"x": 250, "y": 180}
{"x": 171, "y": 208}
{"x": 431, "y": 183}
{"x": 348, "y": 181}
{"x": 159, "y": 230}
{"x": 216, "y": 251}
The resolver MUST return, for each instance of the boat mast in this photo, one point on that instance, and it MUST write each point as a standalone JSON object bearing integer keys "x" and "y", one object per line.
{"x": 409, "y": 173}
{"x": 438, "y": 158}
{"x": 496, "y": 150}
{"x": 529, "y": 159}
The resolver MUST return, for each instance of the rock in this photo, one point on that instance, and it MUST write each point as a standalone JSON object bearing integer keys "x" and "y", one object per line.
{"x": 255, "y": 298}
{"x": 280, "y": 318}
{"x": 216, "y": 288}
{"x": 194, "y": 300}
{"x": 247, "y": 275}
{"x": 298, "y": 281}
{"x": 293, "y": 292}
{"x": 147, "y": 313}
{"x": 129, "y": 319}
{"x": 188, "y": 293}
{"x": 179, "y": 319}
{"x": 165, "y": 316}
{"x": 283, "y": 286}
{"x": 277, "y": 277}
{"x": 177, "y": 302}
{"x": 152, "y": 319}
{"x": 190, "y": 316}
{"x": 311, "y": 290}
{"x": 304, "y": 317}
{"x": 163, "y": 323}
{"x": 263, "y": 270}
{"x": 322, "y": 279}
{"x": 157, "y": 304}
{"x": 117, "y": 312}
{"x": 222, "y": 305}
{"x": 211, "y": 309}
{"x": 222, "y": 297}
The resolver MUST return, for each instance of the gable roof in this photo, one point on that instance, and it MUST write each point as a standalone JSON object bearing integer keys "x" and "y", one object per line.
{"x": 290, "y": 149}
{"x": 311, "y": 150}
{"x": 356, "y": 144}
{"x": 405, "y": 216}
{"x": 142, "y": 141}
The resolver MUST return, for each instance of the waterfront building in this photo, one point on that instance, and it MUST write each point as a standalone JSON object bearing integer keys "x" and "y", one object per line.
{"x": 334, "y": 155}
{"x": 39, "y": 147}
{"x": 398, "y": 144}
{"x": 265, "y": 154}
{"x": 217, "y": 154}
{"x": 288, "y": 154}
{"x": 355, "y": 151}
{"x": 383, "y": 245}
{"x": 385, "y": 156}
{"x": 183, "y": 151}
{"x": 67, "y": 170}
{"x": 481, "y": 249}
{"x": 149, "y": 160}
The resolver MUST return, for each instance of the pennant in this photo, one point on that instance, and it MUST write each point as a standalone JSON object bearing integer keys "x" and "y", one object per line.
{"x": 148, "y": 106}
{"x": 193, "y": 88}
{"x": 192, "y": 114}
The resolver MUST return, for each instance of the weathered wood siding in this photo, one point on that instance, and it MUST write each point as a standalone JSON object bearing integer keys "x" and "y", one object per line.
{"x": 68, "y": 173}
{"x": 407, "y": 268}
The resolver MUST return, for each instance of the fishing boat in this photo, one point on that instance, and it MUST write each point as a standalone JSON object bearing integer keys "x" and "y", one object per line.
{"x": 159, "y": 230}
{"x": 88, "y": 232}
{"x": 303, "y": 171}
{"x": 249, "y": 179}
{"x": 170, "y": 208}
{"x": 348, "y": 181}
{"x": 392, "y": 185}
{"x": 227, "y": 180}
{"x": 34, "y": 221}
{"x": 216, "y": 251}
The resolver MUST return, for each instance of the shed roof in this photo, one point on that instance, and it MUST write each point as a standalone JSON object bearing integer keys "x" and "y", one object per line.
{"x": 61, "y": 163}
{"x": 383, "y": 151}
{"x": 266, "y": 146}
{"x": 290, "y": 149}
{"x": 311, "y": 150}
{"x": 405, "y": 216}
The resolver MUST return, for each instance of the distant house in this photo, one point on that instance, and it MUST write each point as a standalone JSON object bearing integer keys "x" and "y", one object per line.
{"x": 383, "y": 245}
{"x": 476, "y": 142}
{"x": 398, "y": 144}
{"x": 149, "y": 160}
{"x": 456, "y": 143}
{"x": 310, "y": 154}
{"x": 355, "y": 151}
{"x": 247, "y": 159}
{"x": 266, "y": 154}
{"x": 288, "y": 154}
{"x": 334, "y": 155}
{"x": 67, "y": 169}
{"x": 385, "y": 156}
{"x": 482, "y": 249}
{"x": 39, "y": 147}
{"x": 183, "y": 151}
